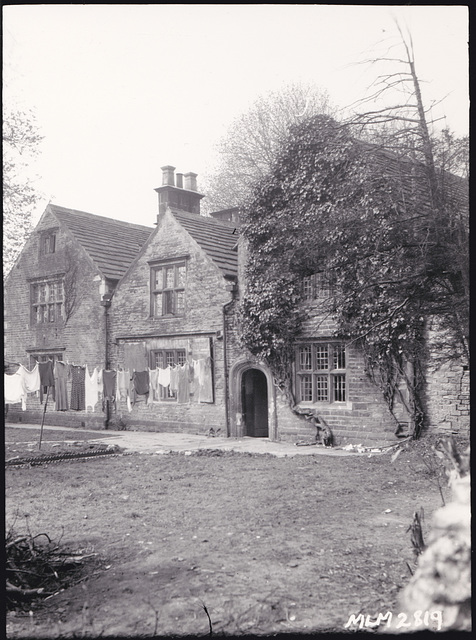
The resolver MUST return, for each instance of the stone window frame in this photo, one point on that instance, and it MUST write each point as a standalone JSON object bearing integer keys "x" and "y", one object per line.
{"x": 318, "y": 285}
{"x": 170, "y": 297}
{"x": 162, "y": 358}
{"x": 48, "y": 244}
{"x": 43, "y": 310}
{"x": 321, "y": 372}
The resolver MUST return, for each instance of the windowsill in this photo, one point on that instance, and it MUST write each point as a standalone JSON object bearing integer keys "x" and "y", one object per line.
{"x": 340, "y": 406}
{"x": 43, "y": 325}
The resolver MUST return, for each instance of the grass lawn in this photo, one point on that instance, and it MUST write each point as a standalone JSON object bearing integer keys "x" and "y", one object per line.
{"x": 266, "y": 545}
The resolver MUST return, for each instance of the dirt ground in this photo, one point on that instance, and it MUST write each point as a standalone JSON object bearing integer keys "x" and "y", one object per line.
{"x": 233, "y": 543}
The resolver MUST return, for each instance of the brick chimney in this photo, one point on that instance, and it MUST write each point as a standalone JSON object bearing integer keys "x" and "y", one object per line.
{"x": 178, "y": 192}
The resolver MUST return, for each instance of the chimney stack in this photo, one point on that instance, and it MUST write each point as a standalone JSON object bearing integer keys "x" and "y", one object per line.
{"x": 180, "y": 192}
{"x": 168, "y": 175}
{"x": 190, "y": 181}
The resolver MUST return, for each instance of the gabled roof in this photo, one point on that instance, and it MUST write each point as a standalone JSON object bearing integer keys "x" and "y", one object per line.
{"x": 216, "y": 237}
{"x": 112, "y": 244}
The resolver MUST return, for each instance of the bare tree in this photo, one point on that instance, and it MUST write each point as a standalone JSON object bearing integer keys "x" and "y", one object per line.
{"x": 246, "y": 152}
{"x": 21, "y": 142}
{"x": 404, "y": 126}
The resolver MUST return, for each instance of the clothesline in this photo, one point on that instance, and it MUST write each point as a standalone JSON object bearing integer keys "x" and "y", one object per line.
{"x": 191, "y": 379}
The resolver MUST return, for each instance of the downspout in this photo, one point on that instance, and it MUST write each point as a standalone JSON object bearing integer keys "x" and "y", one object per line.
{"x": 231, "y": 288}
{"x": 106, "y": 303}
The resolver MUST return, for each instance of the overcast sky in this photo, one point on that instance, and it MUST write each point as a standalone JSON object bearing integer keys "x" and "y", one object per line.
{"x": 121, "y": 90}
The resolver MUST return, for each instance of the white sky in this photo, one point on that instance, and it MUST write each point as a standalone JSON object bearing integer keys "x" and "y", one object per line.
{"x": 121, "y": 90}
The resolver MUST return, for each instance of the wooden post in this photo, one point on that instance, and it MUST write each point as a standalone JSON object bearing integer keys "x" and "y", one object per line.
{"x": 43, "y": 418}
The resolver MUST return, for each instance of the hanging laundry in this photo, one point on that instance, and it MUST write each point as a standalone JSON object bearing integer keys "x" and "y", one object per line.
{"x": 140, "y": 384}
{"x": 164, "y": 377}
{"x": 109, "y": 383}
{"x": 109, "y": 387}
{"x": 183, "y": 391}
{"x": 193, "y": 380}
{"x": 61, "y": 373}
{"x": 174, "y": 379}
{"x": 206, "y": 381}
{"x": 91, "y": 388}
{"x": 32, "y": 378}
{"x": 15, "y": 389}
{"x": 154, "y": 385}
{"x": 123, "y": 387}
{"x": 47, "y": 379}
{"x": 78, "y": 390}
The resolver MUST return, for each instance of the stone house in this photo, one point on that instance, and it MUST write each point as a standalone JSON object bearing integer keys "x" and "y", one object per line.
{"x": 57, "y": 294}
{"x": 133, "y": 298}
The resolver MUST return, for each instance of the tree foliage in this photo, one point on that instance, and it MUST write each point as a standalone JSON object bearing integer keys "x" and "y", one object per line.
{"x": 332, "y": 203}
{"x": 248, "y": 149}
{"x": 370, "y": 202}
{"x": 21, "y": 142}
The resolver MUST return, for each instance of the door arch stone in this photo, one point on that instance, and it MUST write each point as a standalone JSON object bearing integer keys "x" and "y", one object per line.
{"x": 238, "y": 376}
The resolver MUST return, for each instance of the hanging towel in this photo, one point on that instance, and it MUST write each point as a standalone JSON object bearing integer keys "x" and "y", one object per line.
{"x": 61, "y": 373}
{"x": 47, "y": 378}
{"x": 91, "y": 389}
{"x": 15, "y": 389}
{"x": 78, "y": 391}
{"x": 31, "y": 378}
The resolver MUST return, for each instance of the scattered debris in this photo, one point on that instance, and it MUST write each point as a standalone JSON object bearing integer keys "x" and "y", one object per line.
{"x": 37, "y": 567}
{"x": 360, "y": 448}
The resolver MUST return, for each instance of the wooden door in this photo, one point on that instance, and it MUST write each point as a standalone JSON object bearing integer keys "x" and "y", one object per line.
{"x": 254, "y": 394}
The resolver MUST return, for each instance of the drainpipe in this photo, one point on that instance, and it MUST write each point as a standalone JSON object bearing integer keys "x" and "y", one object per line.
{"x": 106, "y": 303}
{"x": 232, "y": 288}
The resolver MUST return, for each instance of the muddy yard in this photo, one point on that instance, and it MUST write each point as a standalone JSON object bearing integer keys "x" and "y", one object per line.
{"x": 227, "y": 542}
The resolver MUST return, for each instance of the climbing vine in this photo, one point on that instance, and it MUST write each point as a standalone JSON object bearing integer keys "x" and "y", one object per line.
{"x": 336, "y": 205}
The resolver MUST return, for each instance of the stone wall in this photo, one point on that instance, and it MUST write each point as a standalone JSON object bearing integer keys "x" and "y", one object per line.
{"x": 202, "y": 322}
{"x": 363, "y": 419}
{"x": 447, "y": 389}
{"x": 80, "y": 340}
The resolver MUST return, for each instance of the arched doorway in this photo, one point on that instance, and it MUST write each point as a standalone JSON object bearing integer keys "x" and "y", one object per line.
{"x": 254, "y": 402}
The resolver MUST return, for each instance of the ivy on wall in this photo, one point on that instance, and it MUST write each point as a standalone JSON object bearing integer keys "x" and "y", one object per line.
{"x": 362, "y": 215}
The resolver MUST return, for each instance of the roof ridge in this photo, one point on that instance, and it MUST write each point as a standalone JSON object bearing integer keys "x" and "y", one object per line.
{"x": 194, "y": 216}
{"x": 105, "y": 218}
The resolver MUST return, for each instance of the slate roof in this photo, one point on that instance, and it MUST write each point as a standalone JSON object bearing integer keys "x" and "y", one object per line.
{"x": 216, "y": 237}
{"x": 112, "y": 244}
{"x": 411, "y": 177}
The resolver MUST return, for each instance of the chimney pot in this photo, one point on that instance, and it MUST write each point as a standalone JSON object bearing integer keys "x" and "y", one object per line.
{"x": 190, "y": 181}
{"x": 179, "y": 180}
{"x": 168, "y": 175}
